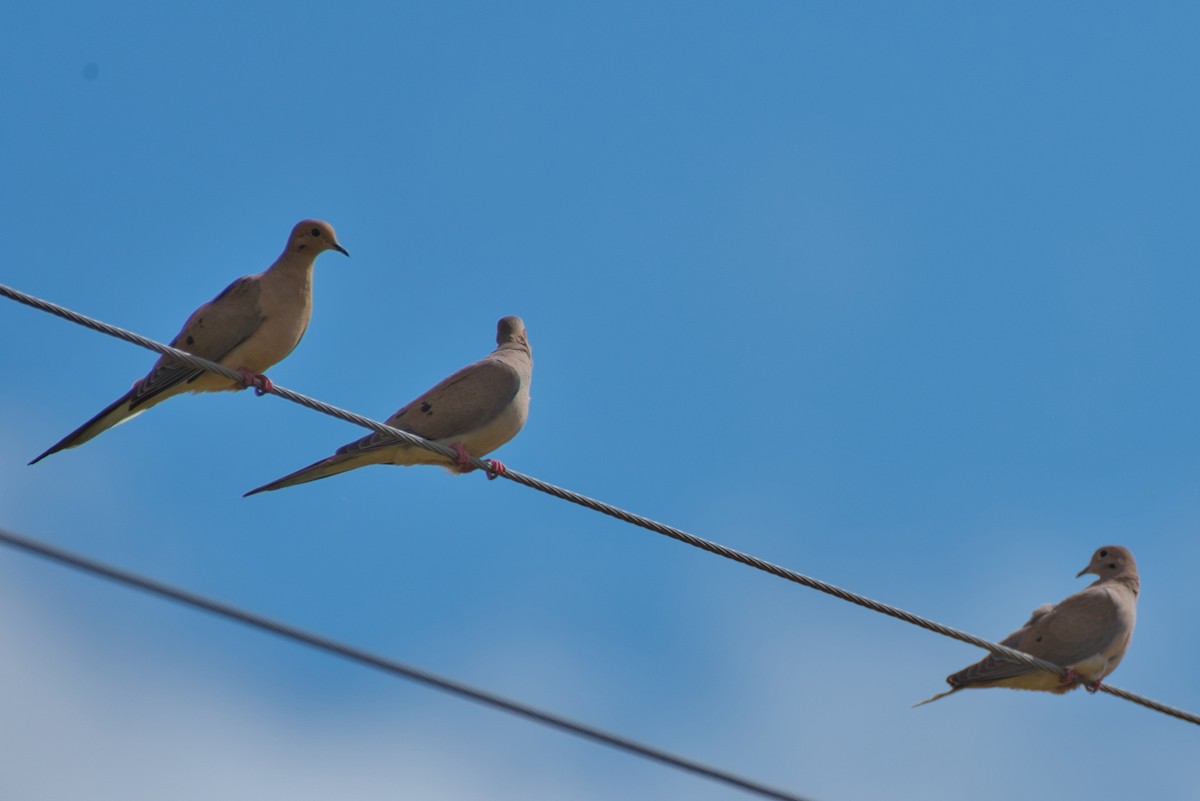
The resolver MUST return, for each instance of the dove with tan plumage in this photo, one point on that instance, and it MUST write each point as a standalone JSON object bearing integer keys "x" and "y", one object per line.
{"x": 474, "y": 411}
{"x": 251, "y": 326}
{"x": 1087, "y": 633}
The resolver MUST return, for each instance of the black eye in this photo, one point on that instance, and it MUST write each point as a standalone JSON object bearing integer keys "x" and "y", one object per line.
{"x": 316, "y": 232}
{"x": 1103, "y": 554}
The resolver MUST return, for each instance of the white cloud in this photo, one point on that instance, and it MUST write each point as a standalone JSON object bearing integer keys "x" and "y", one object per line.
{"x": 85, "y": 720}
{"x": 812, "y": 696}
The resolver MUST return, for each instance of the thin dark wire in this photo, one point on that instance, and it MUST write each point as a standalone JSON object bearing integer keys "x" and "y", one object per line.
{"x": 204, "y": 364}
{"x": 387, "y": 665}
{"x": 600, "y": 506}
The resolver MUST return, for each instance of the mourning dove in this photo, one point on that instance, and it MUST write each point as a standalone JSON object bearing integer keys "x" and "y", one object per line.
{"x": 474, "y": 411}
{"x": 1086, "y": 633}
{"x": 253, "y": 324}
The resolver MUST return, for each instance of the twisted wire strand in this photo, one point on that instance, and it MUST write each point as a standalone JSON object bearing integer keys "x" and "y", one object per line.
{"x": 599, "y": 506}
{"x": 388, "y": 665}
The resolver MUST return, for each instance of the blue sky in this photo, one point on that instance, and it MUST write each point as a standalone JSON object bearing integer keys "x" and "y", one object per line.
{"x": 901, "y": 296}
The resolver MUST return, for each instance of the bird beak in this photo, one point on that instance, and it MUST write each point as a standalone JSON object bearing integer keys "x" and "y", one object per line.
{"x": 340, "y": 249}
{"x": 1087, "y": 569}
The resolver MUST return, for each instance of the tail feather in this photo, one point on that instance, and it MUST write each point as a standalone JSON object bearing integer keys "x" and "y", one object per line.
{"x": 936, "y": 697}
{"x": 314, "y": 472}
{"x": 115, "y": 413}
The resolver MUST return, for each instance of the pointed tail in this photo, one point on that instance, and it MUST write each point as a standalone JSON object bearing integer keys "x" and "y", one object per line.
{"x": 936, "y": 697}
{"x": 116, "y": 412}
{"x": 325, "y": 468}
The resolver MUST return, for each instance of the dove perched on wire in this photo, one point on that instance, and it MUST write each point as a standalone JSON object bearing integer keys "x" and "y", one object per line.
{"x": 474, "y": 411}
{"x": 251, "y": 326}
{"x": 1087, "y": 633}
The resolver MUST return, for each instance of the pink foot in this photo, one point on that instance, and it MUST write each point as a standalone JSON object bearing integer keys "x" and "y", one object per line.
{"x": 1070, "y": 680}
{"x": 496, "y": 469}
{"x": 262, "y": 385}
{"x": 1092, "y": 686}
{"x": 463, "y": 462}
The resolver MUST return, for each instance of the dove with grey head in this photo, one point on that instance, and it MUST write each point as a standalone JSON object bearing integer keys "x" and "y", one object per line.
{"x": 1086, "y": 633}
{"x": 475, "y": 410}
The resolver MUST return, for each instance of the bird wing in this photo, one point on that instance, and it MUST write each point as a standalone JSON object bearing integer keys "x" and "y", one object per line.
{"x": 461, "y": 403}
{"x": 213, "y": 330}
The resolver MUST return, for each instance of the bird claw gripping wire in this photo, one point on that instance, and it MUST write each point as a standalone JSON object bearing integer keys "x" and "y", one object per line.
{"x": 463, "y": 460}
{"x": 495, "y": 468}
{"x": 1073, "y": 679}
{"x": 261, "y": 384}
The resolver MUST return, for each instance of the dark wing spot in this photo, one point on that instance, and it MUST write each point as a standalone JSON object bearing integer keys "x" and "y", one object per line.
{"x": 1039, "y": 639}
{"x": 191, "y": 340}
{"x": 426, "y": 407}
